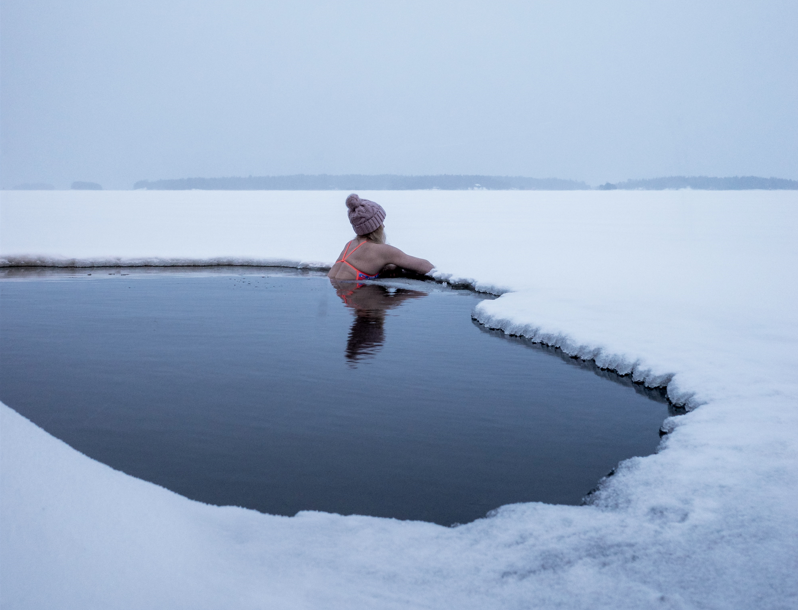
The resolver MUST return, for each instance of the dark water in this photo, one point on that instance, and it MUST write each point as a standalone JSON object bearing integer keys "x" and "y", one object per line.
{"x": 265, "y": 390}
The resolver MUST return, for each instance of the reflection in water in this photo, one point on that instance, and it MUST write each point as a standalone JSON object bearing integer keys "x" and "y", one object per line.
{"x": 369, "y": 302}
{"x": 366, "y": 336}
{"x": 127, "y": 371}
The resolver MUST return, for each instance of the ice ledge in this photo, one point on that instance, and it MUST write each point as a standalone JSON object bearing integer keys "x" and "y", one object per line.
{"x": 638, "y": 369}
{"x": 33, "y": 260}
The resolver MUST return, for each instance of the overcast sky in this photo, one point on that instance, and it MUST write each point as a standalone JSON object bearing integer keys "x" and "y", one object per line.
{"x": 120, "y": 91}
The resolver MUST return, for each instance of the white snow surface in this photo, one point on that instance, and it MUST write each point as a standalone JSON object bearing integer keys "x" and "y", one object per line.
{"x": 695, "y": 290}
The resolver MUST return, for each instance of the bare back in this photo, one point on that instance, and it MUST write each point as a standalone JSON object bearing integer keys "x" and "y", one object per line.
{"x": 370, "y": 258}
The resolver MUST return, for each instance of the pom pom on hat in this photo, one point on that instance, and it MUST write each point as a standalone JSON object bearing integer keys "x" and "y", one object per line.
{"x": 366, "y": 216}
{"x": 353, "y": 201}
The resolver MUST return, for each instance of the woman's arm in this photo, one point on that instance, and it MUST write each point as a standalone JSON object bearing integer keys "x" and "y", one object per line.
{"x": 394, "y": 256}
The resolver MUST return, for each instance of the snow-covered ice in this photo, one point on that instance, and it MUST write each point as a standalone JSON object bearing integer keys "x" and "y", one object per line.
{"x": 693, "y": 289}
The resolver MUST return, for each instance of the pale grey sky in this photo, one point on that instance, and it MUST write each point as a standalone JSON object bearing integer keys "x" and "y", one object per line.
{"x": 120, "y": 91}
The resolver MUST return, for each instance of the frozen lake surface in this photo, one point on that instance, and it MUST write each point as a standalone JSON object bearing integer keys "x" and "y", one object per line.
{"x": 694, "y": 290}
{"x": 280, "y": 392}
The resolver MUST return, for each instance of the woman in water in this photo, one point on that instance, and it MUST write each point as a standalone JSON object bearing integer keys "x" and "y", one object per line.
{"x": 367, "y": 256}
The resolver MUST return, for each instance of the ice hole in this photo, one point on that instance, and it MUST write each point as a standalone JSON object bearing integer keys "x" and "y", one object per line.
{"x": 283, "y": 392}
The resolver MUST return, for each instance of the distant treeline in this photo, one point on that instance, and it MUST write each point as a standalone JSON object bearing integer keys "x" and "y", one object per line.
{"x": 385, "y": 182}
{"x": 737, "y": 183}
{"x": 86, "y": 186}
{"x": 392, "y": 182}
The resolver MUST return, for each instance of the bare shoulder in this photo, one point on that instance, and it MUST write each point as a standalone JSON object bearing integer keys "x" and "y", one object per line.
{"x": 391, "y": 255}
{"x": 386, "y": 250}
{"x": 387, "y": 254}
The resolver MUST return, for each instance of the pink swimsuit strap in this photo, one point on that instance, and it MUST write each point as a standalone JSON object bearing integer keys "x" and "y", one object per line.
{"x": 359, "y": 274}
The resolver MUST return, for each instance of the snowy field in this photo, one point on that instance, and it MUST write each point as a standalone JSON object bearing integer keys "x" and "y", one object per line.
{"x": 689, "y": 289}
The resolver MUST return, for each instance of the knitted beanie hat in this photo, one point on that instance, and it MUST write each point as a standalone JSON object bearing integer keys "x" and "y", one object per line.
{"x": 365, "y": 216}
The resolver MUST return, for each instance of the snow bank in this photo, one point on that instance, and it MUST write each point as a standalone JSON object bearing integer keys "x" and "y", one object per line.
{"x": 694, "y": 290}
